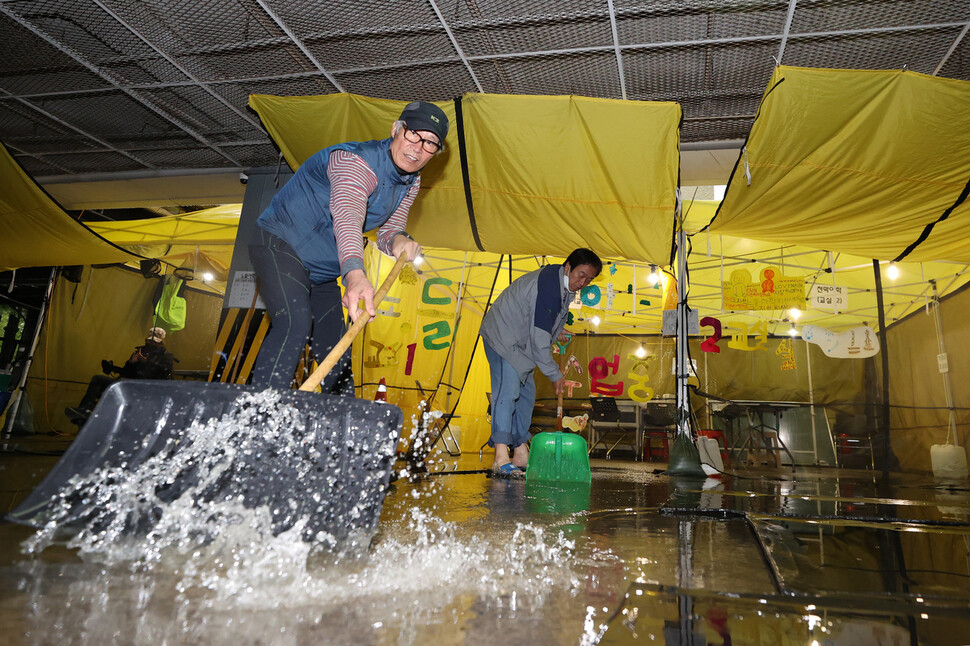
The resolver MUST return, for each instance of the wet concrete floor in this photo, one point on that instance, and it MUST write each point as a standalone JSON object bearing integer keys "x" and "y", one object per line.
{"x": 810, "y": 556}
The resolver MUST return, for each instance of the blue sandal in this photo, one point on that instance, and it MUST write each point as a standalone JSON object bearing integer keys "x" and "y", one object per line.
{"x": 508, "y": 470}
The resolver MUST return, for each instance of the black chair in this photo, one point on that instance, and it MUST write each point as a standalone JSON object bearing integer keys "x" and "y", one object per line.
{"x": 659, "y": 423}
{"x": 606, "y": 422}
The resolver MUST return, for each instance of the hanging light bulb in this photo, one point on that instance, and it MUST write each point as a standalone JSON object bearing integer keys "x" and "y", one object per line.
{"x": 794, "y": 313}
{"x": 641, "y": 352}
{"x": 418, "y": 260}
{"x": 893, "y": 271}
{"x": 207, "y": 276}
{"x": 595, "y": 320}
{"x": 792, "y": 331}
{"x": 654, "y": 275}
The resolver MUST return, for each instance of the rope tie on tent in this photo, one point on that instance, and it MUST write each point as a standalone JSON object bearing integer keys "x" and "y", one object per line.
{"x": 463, "y": 154}
{"x": 747, "y": 169}
{"x": 929, "y": 227}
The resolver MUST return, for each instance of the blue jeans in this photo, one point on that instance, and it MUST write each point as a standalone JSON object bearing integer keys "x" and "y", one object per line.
{"x": 296, "y": 307}
{"x": 512, "y": 401}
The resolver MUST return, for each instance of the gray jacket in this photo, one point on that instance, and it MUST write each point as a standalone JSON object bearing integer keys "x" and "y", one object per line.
{"x": 525, "y": 319}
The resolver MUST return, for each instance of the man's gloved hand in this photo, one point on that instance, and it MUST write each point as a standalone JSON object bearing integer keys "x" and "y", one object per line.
{"x": 107, "y": 367}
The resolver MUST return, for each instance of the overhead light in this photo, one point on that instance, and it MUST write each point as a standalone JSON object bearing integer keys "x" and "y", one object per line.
{"x": 207, "y": 276}
{"x": 595, "y": 320}
{"x": 893, "y": 271}
{"x": 792, "y": 331}
{"x": 794, "y": 313}
{"x": 641, "y": 352}
{"x": 418, "y": 260}
{"x": 654, "y": 275}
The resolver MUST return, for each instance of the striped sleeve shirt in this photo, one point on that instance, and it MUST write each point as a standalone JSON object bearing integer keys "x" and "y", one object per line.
{"x": 351, "y": 183}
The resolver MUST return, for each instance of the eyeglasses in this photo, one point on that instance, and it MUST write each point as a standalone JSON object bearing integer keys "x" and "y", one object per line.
{"x": 428, "y": 145}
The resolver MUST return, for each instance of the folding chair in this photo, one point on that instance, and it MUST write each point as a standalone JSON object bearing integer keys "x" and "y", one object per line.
{"x": 658, "y": 423}
{"x": 606, "y": 414}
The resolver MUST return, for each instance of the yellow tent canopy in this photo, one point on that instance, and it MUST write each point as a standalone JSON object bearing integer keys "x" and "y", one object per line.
{"x": 546, "y": 174}
{"x": 214, "y": 226}
{"x": 856, "y": 161}
{"x": 37, "y": 232}
{"x": 202, "y": 241}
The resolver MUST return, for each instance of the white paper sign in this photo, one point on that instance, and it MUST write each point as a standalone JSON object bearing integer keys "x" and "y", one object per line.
{"x": 829, "y": 297}
{"x": 242, "y": 291}
{"x": 691, "y": 367}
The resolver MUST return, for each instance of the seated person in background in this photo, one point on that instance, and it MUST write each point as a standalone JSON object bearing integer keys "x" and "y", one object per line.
{"x": 149, "y": 361}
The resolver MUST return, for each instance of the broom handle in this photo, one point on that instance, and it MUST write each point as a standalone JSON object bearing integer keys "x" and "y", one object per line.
{"x": 559, "y": 413}
{"x": 348, "y": 338}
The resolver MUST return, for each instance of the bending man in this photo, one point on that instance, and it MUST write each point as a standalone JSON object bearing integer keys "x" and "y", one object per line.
{"x": 518, "y": 331}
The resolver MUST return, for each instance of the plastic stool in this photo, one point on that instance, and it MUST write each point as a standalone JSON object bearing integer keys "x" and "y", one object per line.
{"x": 715, "y": 434}
{"x": 649, "y": 449}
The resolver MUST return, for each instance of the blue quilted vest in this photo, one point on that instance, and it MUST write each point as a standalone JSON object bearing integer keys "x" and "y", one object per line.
{"x": 300, "y": 211}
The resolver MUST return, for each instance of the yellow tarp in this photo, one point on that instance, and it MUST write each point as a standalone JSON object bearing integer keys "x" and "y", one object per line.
{"x": 856, "y": 161}
{"x": 215, "y": 226}
{"x": 202, "y": 240}
{"x": 547, "y": 174}
{"x": 37, "y": 232}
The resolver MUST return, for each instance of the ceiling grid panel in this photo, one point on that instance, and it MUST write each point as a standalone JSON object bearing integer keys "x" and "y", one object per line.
{"x": 145, "y": 38}
{"x": 85, "y": 38}
{"x": 960, "y": 42}
{"x": 41, "y": 108}
{"x": 166, "y": 82}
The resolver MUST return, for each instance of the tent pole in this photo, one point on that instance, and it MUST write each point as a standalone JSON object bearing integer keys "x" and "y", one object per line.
{"x": 684, "y": 460}
{"x": 14, "y": 407}
{"x": 451, "y": 364}
{"x": 811, "y": 401}
{"x": 707, "y": 389}
{"x": 884, "y": 356}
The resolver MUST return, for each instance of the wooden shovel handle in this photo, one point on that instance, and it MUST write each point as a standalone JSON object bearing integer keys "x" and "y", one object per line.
{"x": 559, "y": 413}
{"x": 348, "y": 338}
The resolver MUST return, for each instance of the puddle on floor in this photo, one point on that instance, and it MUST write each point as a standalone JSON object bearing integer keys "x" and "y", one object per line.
{"x": 764, "y": 557}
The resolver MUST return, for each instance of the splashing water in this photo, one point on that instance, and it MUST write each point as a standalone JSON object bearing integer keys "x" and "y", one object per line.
{"x": 418, "y": 579}
{"x": 191, "y": 525}
{"x": 260, "y": 470}
{"x": 423, "y": 557}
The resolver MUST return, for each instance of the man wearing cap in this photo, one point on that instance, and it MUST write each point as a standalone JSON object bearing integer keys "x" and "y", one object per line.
{"x": 148, "y": 361}
{"x": 310, "y": 235}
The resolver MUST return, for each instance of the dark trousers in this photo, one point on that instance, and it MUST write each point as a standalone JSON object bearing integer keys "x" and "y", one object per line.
{"x": 297, "y": 308}
{"x": 96, "y": 388}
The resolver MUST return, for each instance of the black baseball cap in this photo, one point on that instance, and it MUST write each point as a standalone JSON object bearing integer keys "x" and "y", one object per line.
{"x": 426, "y": 116}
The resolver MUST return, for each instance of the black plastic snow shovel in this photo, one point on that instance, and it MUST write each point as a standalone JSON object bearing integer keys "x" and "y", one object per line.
{"x": 320, "y": 460}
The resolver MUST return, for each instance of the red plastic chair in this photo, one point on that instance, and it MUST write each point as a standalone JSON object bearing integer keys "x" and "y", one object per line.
{"x": 649, "y": 449}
